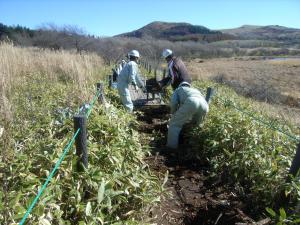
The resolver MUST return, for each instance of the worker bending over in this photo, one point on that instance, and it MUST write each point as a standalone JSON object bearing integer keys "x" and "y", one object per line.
{"x": 177, "y": 71}
{"x": 187, "y": 105}
{"x": 129, "y": 75}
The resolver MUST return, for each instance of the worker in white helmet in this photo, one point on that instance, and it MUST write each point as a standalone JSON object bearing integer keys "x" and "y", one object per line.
{"x": 129, "y": 75}
{"x": 187, "y": 105}
{"x": 177, "y": 71}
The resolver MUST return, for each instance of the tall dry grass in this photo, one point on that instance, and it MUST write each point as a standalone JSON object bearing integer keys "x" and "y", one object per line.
{"x": 18, "y": 64}
{"x": 23, "y": 67}
{"x": 274, "y": 83}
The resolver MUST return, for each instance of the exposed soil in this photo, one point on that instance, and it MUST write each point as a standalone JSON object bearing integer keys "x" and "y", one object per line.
{"x": 192, "y": 196}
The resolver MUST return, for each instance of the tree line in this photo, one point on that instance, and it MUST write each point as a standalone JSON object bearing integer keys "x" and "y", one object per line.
{"x": 113, "y": 49}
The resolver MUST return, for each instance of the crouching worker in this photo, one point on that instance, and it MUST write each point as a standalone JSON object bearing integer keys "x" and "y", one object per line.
{"x": 129, "y": 75}
{"x": 187, "y": 105}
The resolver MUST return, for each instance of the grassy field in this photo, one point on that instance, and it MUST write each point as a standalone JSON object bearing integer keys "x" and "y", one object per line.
{"x": 20, "y": 64}
{"x": 41, "y": 90}
{"x": 274, "y": 83}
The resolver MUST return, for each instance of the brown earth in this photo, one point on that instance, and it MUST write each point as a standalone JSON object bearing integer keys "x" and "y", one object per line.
{"x": 192, "y": 196}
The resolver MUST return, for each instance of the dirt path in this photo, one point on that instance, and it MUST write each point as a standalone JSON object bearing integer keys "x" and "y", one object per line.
{"x": 191, "y": 197}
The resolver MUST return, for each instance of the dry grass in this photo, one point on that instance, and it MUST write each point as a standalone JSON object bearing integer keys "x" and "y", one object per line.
{"x": 20, "y": 65}
{"x": 16, "y": 64}
{"x": 269, "y": 81}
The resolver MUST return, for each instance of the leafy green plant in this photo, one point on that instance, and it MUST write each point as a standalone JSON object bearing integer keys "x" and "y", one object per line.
{"x": 282, "y": 218}
{"x": 117, "y": 187}
{"x": 250, "y": 155}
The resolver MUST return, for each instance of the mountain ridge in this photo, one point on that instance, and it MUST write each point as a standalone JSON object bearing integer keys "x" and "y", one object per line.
{"x": 270, "y": 32}
{"x": 187, "y": 32}
{"x": 177, "y": 32}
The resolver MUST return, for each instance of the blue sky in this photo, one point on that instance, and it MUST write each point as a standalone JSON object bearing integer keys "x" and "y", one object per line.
{"x": 111, "y": 17}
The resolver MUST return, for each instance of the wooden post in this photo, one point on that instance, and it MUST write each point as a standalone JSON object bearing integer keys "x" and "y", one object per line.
{"x": 282, "y": 199}
{"x": 100, "y": 88}
{"x": 164, "y": 73}
{"x": 296, "y": 163}
{"x": 110, "y": 81}
{"x": 209, "y": 93}
{"x": 81, "y": 141}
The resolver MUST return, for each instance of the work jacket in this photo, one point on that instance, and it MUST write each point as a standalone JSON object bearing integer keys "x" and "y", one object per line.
{"x": 129, "y": 75}
{"x": 177, "y": 73}
{"x": 181, "y": 94}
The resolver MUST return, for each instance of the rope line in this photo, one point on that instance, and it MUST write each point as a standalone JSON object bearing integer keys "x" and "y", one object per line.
{"x": 228, "y": 102}
{"x": 92, "y": 103}
{"x": 66, "y": 150}
{"x": 69, "y": 145}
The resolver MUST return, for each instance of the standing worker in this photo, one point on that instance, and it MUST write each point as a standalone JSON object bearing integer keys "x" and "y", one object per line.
{"x": 129, "y": 75}
{"x": 187, "y": 105}
{"x": 177, "y": 71}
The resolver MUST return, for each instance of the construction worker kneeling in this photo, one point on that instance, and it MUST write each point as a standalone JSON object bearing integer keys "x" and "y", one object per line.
{"x": 187, "y": 105}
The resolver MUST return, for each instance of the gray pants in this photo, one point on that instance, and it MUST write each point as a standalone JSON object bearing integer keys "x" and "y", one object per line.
{"x": 125, "y": 98}
{"x": 194, "y": 109}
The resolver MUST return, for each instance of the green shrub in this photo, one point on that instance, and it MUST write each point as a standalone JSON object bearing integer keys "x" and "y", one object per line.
{"x": 247, "y": 152}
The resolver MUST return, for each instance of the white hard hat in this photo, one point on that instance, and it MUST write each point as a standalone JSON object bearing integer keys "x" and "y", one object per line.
{"x": 166, "y": 52}
{"x": 184, "y": 83}
{"x": 134, "y": 53}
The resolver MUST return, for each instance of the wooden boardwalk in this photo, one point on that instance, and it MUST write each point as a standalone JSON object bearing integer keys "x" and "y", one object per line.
{"x": 140, "y": 99}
